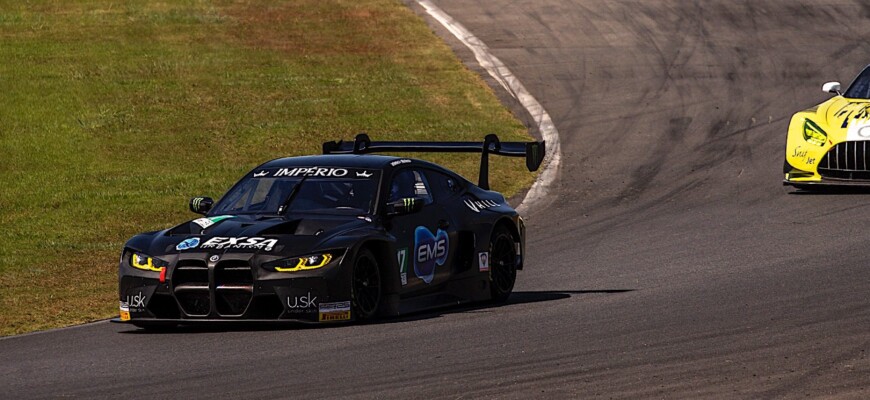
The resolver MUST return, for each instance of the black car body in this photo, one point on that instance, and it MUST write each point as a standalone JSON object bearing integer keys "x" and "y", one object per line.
{"x": 333, "y": 237}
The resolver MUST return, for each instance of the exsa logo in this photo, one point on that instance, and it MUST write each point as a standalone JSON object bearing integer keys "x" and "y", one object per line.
{"x": 243, "y": 242}
{"x": 429, "y": 251}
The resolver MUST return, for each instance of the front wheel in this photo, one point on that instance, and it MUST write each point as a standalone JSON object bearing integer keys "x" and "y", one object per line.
{"x": 503, "y": 264}
{"x": 366, "y": 285}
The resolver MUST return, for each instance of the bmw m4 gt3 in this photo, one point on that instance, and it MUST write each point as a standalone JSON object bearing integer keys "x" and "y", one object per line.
{"x": 828, "y": 144}
{"x": 336, "y": 237}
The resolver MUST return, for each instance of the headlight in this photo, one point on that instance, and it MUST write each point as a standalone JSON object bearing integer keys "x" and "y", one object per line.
{"x": 146, "y": 263}
{"x": 306, "y": 263}
{"x": 814, "y": 134}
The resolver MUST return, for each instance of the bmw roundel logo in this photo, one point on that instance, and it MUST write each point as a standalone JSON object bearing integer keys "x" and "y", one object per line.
{"x": 864, "y": 131}
{"x": 188, "y": 244}
{"x": 214, "y": 258}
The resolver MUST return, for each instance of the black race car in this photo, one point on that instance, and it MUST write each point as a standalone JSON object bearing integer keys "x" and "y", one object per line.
{"x": 336, "y": 237}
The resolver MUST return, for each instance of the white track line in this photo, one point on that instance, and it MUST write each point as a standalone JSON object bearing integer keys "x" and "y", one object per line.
{"x": 512, "y": 85}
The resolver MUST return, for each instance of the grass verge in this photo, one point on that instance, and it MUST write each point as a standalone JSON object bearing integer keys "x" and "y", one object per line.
{"x": 114, "y": 114}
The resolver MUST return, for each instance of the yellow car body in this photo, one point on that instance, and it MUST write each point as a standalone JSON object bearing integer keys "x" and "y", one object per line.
{"x": 830, "y": 143}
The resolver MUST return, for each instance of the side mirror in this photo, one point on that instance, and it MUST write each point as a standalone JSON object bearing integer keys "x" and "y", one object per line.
{"x": 831, "y": 87}
{"x": 404, "y": 206}
{"x": 201, "y": 205}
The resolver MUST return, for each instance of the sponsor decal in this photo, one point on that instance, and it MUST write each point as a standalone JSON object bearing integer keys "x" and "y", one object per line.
{"x": 125, "y": 311}
{"x": 214, "y": 258}
{"x": 188, "y": 244}
{"x": 364, "y": 174}
{"x": 335, "y": 316}
{"x": 302, "y": 303}
{"x": 483, "y": 261}
{"x": 409, "y": 202}
{"x": 243, "y": 242}
{"x": 854, "y": 111}
{"x": 801, "y": 153}
{"x": 197, "y": 201}
{"x": 477, "y": 205}
{"x": 798, "y": 153}
{"x": 337, "y": 306}
{"x": 261, "y": 174}
{"x": 429, "y": 250}
{"x": 339, "y": 311}
{"x": 311, "y": 171}
{"x": 134, "y": 303}
{"x": 207, "y": 222}
{"x": 400, "y": 162}
{"x": 402, "y": 256}
{"x": 859, "y": 129}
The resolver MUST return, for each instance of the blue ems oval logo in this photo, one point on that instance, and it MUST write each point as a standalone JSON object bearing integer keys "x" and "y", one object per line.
{"x": 429, "y": 251}
{"x": 187, "y": 244}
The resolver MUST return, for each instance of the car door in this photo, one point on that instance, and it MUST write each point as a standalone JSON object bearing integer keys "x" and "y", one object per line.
{"x": 423, "y": 239}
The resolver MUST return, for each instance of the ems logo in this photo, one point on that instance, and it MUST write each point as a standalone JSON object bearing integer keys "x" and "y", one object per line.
{"x": 430, "y": 250}
{"x": 483, "y": 261}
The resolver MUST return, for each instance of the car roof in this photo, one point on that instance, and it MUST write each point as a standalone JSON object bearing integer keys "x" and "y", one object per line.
{"x": 333, "y": 160}
{"x": 369, "y": 161}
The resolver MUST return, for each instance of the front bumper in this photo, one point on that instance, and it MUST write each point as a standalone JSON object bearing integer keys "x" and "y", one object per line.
{"x": 842, "y": 164}
{"x": 828, "y": 183}
{"x": 196, "y": 291}
{"x": 157, "y": 322}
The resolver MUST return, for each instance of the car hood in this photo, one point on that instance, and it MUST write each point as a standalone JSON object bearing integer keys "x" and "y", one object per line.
{"x": 843, "y": 119}
{"x": 277, "y": 236}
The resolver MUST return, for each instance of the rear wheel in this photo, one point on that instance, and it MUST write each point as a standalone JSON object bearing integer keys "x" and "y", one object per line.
{"x": 503, "y": 264}
{"x": 366, "y": 285}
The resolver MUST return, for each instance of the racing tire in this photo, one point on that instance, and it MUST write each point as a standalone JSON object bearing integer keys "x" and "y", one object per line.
{"x": 502, "y": 264}
{"x": 366, "y": 286}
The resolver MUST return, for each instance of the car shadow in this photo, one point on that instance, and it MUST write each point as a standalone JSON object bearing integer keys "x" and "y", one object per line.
{"x": 831, "y": 190}
{"x": 516, "y": 298}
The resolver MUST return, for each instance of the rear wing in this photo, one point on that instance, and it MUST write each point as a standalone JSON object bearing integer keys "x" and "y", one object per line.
{"x": 532, "y": 151}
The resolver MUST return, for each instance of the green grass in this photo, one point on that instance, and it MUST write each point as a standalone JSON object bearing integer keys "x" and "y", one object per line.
{"x": 113, "y": 114}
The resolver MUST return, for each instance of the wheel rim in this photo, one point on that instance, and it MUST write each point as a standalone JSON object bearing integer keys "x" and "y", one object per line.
{"x": 367, "y": 286}
{"x": 503, "y": 264}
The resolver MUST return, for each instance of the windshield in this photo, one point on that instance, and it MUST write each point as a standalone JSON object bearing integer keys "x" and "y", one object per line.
{"x": 860, "y": 88}
{"x": 322, "y": 190}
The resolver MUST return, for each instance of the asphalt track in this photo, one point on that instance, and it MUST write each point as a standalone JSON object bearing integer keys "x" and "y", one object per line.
{"x": 668, "y": 262}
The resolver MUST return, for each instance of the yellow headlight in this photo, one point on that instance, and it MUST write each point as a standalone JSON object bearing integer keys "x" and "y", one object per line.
{"x": 144, "y": 262}
{"x": 814, "y": 134}
{"x": 307, "y": 263}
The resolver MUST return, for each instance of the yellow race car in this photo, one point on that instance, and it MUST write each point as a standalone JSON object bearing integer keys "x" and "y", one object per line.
{"x": 829, "y": 143}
